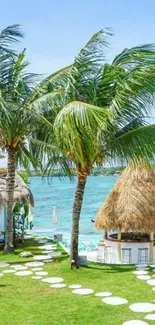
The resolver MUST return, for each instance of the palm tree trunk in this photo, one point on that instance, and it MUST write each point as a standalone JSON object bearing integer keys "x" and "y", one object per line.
{"x": 10, "y": 185}
{"x": 79, "y": 194}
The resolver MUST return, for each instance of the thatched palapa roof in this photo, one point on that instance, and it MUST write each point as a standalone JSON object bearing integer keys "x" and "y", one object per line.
{"x": 21, "y": 194}
{"x": 131, "y": 203}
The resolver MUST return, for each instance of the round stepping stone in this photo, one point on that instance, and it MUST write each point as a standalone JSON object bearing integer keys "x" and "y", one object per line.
{"x": 41, "y": 257}
{"x": 4, "y": 264}
{"x": 152, "y": 266}
{"x": 37, "y": 269}
{"x": 41, "y": 273}
{"x": 9, "y": 271}
{"x": 46, "y": 252}
{"x": 37, "y": 277}
{"x": 1, "y": 274}
{"x": 58, "y": 285}
{"x": 135, "y": 322}
{"x": 143, "y": 277}
{"x": 23, "y": 273}
{"x": 83, "y": 291}
{"x": 141, "y": 272}
{"x": 150, "y": 317}
{"x": 54, "y": 254}
{"x": 75, "y": 286}
{"x": 151, "y": 282}
{"x": 141, "y": 265}
{"x": 103, "y": 294}
{"x": 115, "y": 301}
{"x": 48, "y": 261}
{"x": 38, "y": 238}
{"x": 34, "y": 264}
{"x": 142, "y": 307}
{"x": 143, "y": 269}
{"x": 15, "y": 265}
{"x": 53, "y": 280}
{"x": 21, "y": 268}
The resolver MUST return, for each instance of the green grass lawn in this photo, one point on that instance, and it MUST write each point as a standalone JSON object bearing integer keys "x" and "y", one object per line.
{"x": 24, "y": 301}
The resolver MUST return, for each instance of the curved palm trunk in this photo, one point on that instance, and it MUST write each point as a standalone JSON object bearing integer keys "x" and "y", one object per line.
{"x": 76, "y": 217}
{"x": 10, "y": 185}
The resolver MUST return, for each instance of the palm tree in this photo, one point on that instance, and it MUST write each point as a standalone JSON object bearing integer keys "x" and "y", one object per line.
{"x": 20, "y": 99}
{"x": 101, "y": 114}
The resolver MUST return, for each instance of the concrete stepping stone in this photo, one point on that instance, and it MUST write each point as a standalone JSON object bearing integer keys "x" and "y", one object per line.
{"x": 41, "y": 273}
{"x": 143, "y": 277}
{"x": 23, "y": 273}
{"x": 48, "y": 261}
{"x": 103, "y": 294}
{"x": 83, "y": 292}
{"x": 55, "y": 254}
{"x": 135, "y": 322}
{"x": 115, "y": 301}
{"x": 41, "y": 257}
{"x": 37, "y": 269}
{"x": 153, "y": 265}
{"x": 142, "y": 307}
{"x": 37, "y": 277}
{"x": 53, "y": 280}
{"x": 1, "y": 274}
{"x": 151, "y": 282}
{"x": 9, "y": 271}
{"x": 143, "y": 269}
{"x": 141, "y": 265}
{"x": 58, "y": 285}
{"x": 21, "y": 268}
{"x": 150, "y": 317}
{"x": 34, "y": 264}
{"x": 42, "y": 241}
{"x": 4, "y": 264}
{"x": 38, "y": 238}
{"x": 153, "y": 289}
{"x": 46, "y": 252}
{"x": 75, "y": 286}
{"x": 141, "y": 272}
{"x": 15, "y": 265}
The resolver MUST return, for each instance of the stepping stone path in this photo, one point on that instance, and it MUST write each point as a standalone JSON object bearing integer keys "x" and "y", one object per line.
{"x": 141, "y": 265}
{"x": 21, "y": 268}
{"x": 58, "y": 285}
{"x": 143, "y": 277}
{"x": 151, "y": 282}
{"x": 135, "y": 322}
{"x": 53, "y": 280}
{"x": 55, "y": 254}
{"x": 15, "y": 266}
{"x": 41, "y": 273}
{"x": 150, "y": 317}
{"x": 103, "y": 294}
{"x": 37, "y": 269}
{"x": 75, "y": 286}
{"x": 41, "y": 257}
{"x": 4, "y": 264}
{"x": 34, "y": 264}
{"x": 142, "y": 307}
{"x": 141, "y": 272}
{"x": 23, "y": 273}
{"x": 9, "y": 271}
{"x": 115, "y": 301}
{"x": 37, "y": 277}
{"x": 1, "y": 274}
{"x": 42, "y": 241}
{"x": 83, "y": 291}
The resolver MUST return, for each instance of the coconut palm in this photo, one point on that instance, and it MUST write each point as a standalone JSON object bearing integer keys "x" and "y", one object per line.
{"x": 20, "y": 99}
{"x": 101, "y": 114}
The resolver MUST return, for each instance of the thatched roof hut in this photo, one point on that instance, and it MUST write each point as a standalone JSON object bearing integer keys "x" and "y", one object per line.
{"x": 21, "y": 194}
{"x": 131, "y": 203}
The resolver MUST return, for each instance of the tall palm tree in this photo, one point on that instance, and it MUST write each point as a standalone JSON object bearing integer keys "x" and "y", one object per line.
{"x": 101, "y": 114}
{"x": 20, "y": 99}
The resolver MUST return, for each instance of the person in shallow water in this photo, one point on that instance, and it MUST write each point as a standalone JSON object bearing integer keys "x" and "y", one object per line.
{"x": 92, "y": 220}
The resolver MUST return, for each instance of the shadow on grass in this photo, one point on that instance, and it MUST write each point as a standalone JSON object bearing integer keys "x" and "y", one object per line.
{"x": 109, "y": 268}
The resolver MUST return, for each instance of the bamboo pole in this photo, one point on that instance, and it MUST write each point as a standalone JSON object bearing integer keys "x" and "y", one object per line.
{"x": 118, "y": 254}
{"x": 151, "y": 248}
{"x": 105, "y": 234}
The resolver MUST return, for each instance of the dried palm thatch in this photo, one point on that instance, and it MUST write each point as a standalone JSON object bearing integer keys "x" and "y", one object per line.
{"x": 21, "y": 193}
{"x": 131, "y": 203}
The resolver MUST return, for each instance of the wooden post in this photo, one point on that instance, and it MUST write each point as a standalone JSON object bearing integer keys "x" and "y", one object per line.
{"x": 151, "y": 248}
{"x": 119, "y": 246}
{"x": 105, "y": 234}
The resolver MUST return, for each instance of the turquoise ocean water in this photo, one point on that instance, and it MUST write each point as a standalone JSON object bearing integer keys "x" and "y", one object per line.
{"x": 60, "y": 193}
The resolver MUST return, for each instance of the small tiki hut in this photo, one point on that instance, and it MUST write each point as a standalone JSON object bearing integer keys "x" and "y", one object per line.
{"x": 128, "y": 215}
{"x": 22, "y": 194}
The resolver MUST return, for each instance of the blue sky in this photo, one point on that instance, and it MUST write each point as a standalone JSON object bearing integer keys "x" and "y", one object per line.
{"x": 56, "y": 30}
